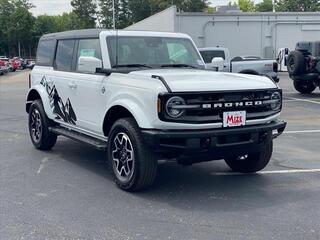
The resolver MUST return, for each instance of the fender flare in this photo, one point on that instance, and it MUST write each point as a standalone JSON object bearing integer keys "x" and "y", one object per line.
{"x": 134, "y": 109}
{"x": 249, "y": 71}
{"x": 44, "y": 98}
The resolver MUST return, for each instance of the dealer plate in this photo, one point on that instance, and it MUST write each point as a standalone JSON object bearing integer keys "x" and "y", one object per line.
{"x": 234, "y": 119}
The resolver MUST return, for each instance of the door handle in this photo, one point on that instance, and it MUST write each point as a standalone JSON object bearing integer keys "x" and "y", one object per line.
{"x": 72, "y": 85}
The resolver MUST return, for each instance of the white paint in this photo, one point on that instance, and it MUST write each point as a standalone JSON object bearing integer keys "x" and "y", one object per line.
{"x": 302, "y": 131}
{"x": 42, "y": 164}
{"x": 316, "y": 170}
{"x": 303, "y": 100}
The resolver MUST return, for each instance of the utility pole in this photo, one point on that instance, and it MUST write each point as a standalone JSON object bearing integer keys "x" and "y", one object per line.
{"x": 113, "y": 15}
{"x": 273, "y": 6}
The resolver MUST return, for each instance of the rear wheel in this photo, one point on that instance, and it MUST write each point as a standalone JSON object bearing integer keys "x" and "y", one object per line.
{"x": 132, "y": 164}
{"x": 304, "y": 87}
{"x": 252, "y": 162}
{"x": 39, "y": 125}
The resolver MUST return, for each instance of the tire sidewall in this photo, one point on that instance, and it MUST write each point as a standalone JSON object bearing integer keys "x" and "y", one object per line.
{"x": 117, "y": 128}
{"x": 35, "y": 105}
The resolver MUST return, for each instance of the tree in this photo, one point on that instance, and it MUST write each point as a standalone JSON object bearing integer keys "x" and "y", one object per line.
{"x": 246, "y": 5}
{"x": 297, "y": 5}
{"x": 122, "y": 13}
{"x": 265, "y": 6}
{"x": 86, "y": 12}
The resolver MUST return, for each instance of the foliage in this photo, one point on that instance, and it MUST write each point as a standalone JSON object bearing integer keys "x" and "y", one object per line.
{"x": 246, "y": 5}
{"x": 265, "y": 6}
{"x": 297, "y": 5}
{"x": 86, "y": 12}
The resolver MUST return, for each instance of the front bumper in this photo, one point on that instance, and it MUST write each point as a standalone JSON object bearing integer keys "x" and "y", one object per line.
{"x": 213, "y": 143}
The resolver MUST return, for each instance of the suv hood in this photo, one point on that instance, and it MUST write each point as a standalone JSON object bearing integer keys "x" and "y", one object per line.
{"x": 183, "y": 80}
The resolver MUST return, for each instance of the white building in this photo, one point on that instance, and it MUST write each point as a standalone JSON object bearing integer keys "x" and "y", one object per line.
{"x": 259, "y": 34}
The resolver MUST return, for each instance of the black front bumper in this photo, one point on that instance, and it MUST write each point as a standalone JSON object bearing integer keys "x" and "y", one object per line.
{"x": 214, "y": 143}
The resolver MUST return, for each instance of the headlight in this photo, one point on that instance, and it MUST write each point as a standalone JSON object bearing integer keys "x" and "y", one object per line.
{"x": 275, "y": 101}
{"x": 172, "y": 107}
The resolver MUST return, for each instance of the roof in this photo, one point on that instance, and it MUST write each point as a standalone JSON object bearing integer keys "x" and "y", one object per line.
{"x": 85, "y": 33}
{"x": 94, "y": 33}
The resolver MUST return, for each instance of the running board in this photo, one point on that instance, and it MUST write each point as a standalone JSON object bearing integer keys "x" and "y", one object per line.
{"x": 97, "y": 143}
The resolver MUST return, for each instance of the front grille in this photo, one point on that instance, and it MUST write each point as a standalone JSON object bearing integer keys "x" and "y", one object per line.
{"x": 208, "y": 107}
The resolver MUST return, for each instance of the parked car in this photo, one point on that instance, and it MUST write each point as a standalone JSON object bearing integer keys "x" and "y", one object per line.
{"x": 30, "y": 63}
{"x": 303, "y": 66}
{"x": 1, "y": 70}
{"x": 218, "y": 56}
{"x": 7, "y": 62}
{"x": 143, "y": 96}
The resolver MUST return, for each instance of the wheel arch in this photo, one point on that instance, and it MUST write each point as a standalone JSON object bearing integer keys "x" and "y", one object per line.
{"x": 249, "y": 71}
{"x": 39, "y": 93}
{"x": 33, "y": 95}
{"x": 117, "y": 112}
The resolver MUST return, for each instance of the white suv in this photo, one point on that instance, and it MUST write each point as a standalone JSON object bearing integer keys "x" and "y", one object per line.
{"x": 142, "y": 96}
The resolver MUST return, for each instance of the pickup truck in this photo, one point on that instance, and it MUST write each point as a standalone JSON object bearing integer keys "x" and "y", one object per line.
{"x": 219, "y": 59}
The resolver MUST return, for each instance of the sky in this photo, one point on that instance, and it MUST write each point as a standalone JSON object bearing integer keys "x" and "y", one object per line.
{"x": 55, "y": 7}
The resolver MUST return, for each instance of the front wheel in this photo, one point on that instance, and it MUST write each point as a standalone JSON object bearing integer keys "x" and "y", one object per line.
{"x": 251, "y": 162}
{"x": 304, "y": 87}
{"x": 132, "y": 164}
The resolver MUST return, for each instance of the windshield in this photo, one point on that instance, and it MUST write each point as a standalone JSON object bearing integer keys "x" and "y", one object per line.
{"x": 152, "y": 52}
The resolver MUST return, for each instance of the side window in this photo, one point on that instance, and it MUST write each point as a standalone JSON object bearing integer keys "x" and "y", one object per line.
{"x": 209, "y": 55}
{"x": 89, "y": 48}
{"x": 64, "y": 55}
{"x": 45, "y": 52}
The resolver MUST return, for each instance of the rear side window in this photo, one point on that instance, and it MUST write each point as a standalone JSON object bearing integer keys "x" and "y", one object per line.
{"x": 45, "y": 52}
{"x": 208, "y": 55}
{"x": 64, "y": 55}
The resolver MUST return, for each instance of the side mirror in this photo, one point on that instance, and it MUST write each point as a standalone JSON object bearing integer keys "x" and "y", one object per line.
{"x": 217, "y": 63}
{"x": 88, "y": 64}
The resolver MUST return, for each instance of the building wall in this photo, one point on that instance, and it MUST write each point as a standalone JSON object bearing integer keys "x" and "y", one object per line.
{"x": 162, "y": 21}
{"x": 259, "y": 34}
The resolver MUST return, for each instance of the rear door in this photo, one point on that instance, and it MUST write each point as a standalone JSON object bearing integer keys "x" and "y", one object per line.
{"x": 62, "y": 79}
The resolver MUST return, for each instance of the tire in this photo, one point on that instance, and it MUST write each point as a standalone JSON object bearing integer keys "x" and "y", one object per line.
{"x": 39, "y": 124}
{"x": 296, "y": 63}
{"x": 252, "y": 162}
{"x": 125, "y": 138}
{"x": 304, "y": 87}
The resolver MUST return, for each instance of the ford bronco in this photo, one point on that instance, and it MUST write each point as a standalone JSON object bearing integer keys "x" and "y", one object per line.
{"x": 144, "y": 96}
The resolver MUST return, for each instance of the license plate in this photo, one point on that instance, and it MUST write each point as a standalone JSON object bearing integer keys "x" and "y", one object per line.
{"x": 234, "y": 119}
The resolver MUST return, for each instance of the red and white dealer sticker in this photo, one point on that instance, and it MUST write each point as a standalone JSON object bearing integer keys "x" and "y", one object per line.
{"x": 234, "y": 119}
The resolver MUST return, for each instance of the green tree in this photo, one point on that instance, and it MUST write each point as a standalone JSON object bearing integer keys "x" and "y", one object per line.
{"x": 122, "y": 13}
{"x": 265, "y": 6}
{"x": 86, "y": 12}
{"x": 297, "y": 5}
{"x": 18, "y": 29}
{"x": 246, "y": 5}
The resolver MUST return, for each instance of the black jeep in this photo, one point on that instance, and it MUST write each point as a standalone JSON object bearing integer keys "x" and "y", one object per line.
{"x": 304, "y": 66}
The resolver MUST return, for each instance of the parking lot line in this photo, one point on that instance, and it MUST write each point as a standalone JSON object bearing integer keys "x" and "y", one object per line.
{"x": 303, "y": 100}
{"x": 315, "y": 170}
{"x": 302, "y": 131}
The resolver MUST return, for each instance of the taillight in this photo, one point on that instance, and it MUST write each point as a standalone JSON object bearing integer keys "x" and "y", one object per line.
{"x": 29, "y": 80}
{"x": 275, "y": 67}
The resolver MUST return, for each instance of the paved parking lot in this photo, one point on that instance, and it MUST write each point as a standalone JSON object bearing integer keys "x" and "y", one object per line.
{"x": 68, "y": 194}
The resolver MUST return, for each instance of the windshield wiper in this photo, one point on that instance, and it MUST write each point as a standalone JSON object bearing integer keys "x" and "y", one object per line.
{"x": 136, "y": 65}
{"x": 177, "y": 65}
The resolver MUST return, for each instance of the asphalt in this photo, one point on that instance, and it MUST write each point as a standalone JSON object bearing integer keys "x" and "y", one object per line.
{"x": 67, "y": 193}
